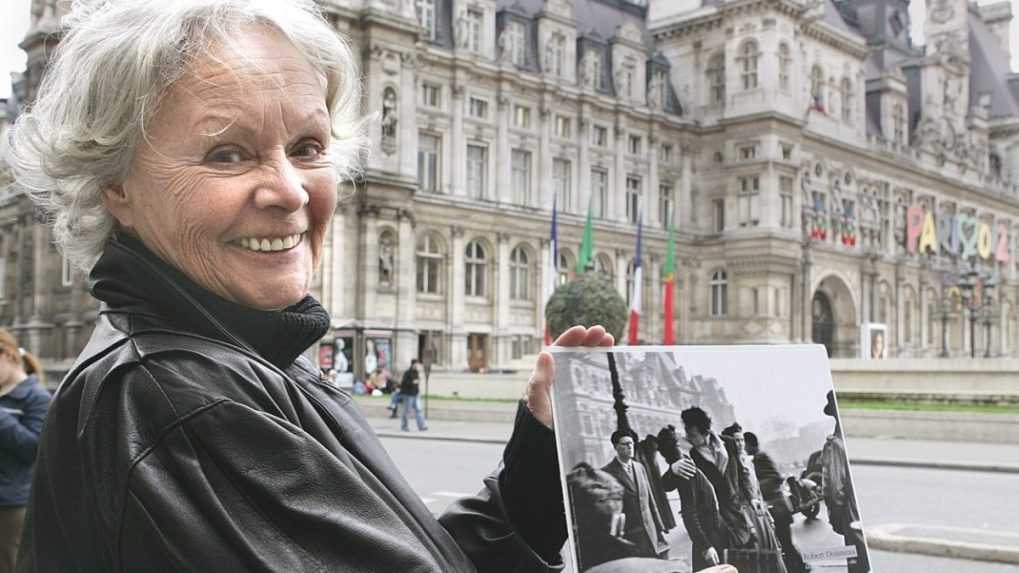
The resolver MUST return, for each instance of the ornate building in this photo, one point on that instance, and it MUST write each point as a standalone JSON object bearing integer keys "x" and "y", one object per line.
{"x": 823, "y": 172}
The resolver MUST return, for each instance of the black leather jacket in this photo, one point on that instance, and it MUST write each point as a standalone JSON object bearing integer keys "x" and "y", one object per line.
{"x": 172, "y": 446}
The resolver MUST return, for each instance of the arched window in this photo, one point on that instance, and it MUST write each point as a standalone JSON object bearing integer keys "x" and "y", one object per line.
{"x": 748, "y": 64}
{"x": 846, "y": 92}
{"x": 719, "y": 293}
{"x": 630, "y": 270}
{"x": 474, "y": 277}
{"x": 899, "y": 124}
{"x": 603, "y": 266}
{"x": 520, "y": 274}
{"x": 430, "y": 255}
{"x": 785, "y": 62}
{"x": 565, "y": 261}
{"x": 716, "y": 78}
{"x": 817, "y": 87}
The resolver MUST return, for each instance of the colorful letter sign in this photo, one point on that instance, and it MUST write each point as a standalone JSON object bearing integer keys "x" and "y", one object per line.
{"x": 962, "y": 235}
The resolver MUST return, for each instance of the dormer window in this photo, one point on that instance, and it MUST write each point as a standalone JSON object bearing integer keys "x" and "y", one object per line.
{"x": 426, "y": 17}
{"x": 518, "y": 43}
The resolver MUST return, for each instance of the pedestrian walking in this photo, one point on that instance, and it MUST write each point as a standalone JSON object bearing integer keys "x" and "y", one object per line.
{"x": 23, "y": 405}
{"x": 410, "y": 389}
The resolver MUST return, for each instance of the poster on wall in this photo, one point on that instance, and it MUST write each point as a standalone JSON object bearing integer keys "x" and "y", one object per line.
{"x": 873, "y": 340}
{"x": 679, "y": 458}
{"x": 343, "y": 358}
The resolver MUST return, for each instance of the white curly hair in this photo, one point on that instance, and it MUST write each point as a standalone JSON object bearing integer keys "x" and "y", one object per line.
{"x": 115, "y": 61}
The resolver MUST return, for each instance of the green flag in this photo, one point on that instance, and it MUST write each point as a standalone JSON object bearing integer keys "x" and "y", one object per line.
{"x": 586, "y": 246}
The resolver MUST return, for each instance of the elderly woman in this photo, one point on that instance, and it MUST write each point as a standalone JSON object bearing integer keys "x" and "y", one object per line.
{"x": 189, "y": 153}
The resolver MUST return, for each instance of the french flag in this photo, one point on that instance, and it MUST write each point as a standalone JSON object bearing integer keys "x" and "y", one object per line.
{"x": 551, "y": 270}
{"x": 637, "y": 287}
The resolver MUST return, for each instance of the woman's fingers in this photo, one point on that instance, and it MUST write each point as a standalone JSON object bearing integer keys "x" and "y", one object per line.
{"x": 538, "y": 395}
{"x": 582, "y": 336}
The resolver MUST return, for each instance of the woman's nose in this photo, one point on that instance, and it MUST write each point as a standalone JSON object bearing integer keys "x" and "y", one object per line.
{"x": 283, "y": 187}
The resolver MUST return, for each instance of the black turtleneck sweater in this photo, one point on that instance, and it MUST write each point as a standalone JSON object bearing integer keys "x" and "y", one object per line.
{"x": 279, "y": 336}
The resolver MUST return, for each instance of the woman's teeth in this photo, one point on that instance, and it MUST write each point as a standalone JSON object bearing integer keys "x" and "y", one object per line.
{"x": 273, "y": 244}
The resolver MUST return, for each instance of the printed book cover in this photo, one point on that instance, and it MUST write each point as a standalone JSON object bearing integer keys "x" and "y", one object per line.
{"x": 681, "y": 458}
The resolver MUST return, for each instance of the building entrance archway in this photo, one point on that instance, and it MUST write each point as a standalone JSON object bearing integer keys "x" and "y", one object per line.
{"x": 834, "y": 321}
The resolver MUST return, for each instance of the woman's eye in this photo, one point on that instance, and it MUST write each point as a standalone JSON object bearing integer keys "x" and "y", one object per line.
{"x": 226, "y": 155}
{"x": 307, "y": 150}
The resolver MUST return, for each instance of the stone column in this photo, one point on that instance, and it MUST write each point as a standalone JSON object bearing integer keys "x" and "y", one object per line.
{"x": 408, "y": 129}
{"x": 336, "y": 279}
{"x": 368, "y": 279}
{"x": 924, "y": 319}
{"x": 544, "y": 159}
{"x": 685, "y": 191}
{"x": 458, "y": 144}
{"x": 406, "y": 287}
{"x": 897, "y": 314}
{"x": 806, "y": 278}
{"x": 456, "y": 300}
{"x": 622, "y": 260}
{"x": 20, "y": 268}
{"x": 617, "y": 191}
{"x": 584, "y": 160}
{"x": 539, "y": 307}
{"x": 39, "y": 328}
{"x": 653, "y": 311}
{"x": 504, "y": 163}
{"x": 501, "y": 338}
{"x": 651, "y": 203}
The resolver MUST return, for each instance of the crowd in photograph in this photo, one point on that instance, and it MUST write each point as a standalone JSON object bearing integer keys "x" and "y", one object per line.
{"x": 734, "y": 502}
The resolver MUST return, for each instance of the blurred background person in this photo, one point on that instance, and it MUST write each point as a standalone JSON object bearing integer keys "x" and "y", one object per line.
{"x": 23, "y": 405}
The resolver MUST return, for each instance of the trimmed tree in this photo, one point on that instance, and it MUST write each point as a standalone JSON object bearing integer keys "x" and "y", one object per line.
{"x": 588, "y": 300}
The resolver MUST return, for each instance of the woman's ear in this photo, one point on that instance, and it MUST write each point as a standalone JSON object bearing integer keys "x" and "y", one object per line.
{"x": 119, "y": 204}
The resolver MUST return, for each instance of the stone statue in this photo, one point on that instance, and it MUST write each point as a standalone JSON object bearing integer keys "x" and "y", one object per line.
{"x": 622, "y": 82}
{"x": 654, "y": 92}
{"x": 462, "y": 32}
{"x": 503, "y": 49}
{"x": 386, "y": 260}
{"x": 389, "y": 121}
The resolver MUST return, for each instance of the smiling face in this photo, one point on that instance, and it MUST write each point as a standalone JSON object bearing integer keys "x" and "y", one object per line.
{"x": 232, "y": 183}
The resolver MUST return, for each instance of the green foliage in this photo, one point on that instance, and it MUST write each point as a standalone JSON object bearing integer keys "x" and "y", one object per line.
{"x": 588, "y": 300}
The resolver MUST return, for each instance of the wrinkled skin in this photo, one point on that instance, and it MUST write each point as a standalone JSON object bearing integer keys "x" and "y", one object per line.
{"x": 237, "y": 149}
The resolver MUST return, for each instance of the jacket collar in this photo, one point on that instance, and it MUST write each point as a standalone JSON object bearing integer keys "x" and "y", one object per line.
{"x": 130, "y": 278}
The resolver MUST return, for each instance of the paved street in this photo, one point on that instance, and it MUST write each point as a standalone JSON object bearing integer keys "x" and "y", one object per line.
{"x": 967, "y": 501}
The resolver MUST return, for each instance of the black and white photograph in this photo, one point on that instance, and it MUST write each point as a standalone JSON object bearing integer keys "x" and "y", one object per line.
{"x": 681, "y": 458}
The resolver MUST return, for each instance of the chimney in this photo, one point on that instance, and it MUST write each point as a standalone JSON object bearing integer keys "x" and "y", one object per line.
{"x": 998, "y": 17}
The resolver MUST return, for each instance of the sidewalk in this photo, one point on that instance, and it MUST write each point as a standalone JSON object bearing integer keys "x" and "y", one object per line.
{"x": 863, "y": 451}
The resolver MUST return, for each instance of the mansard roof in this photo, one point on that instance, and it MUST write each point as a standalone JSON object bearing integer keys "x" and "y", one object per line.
{"x": 989, "y": 71}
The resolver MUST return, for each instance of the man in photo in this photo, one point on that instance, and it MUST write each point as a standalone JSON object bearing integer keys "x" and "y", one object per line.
{"x": 710, "y": 456}
{"x": 839, "y": 497}
{"x": 770, "y": 481}
{"x": 698, "y": 506}
{"x": 643, "y": 523}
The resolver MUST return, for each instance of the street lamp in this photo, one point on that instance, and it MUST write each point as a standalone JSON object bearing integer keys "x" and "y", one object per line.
{"x": 944, "y": 313}
{"x": 976, "y": 296}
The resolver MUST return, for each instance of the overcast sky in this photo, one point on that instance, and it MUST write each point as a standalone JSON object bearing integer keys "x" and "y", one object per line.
{"x": 14, "y": 16}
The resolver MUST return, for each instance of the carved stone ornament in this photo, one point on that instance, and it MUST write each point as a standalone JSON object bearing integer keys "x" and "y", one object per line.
{"x": 461, "y": 31}
{"x": 391, "y": 63}
{"x": 456, "y": 231}
{"x": 941, "y": 11}
{"x": 390, "y": 122}
{"x": 387, "y": 259}
{"x": 563, "y": 8}
{"x": 629, "y": 31}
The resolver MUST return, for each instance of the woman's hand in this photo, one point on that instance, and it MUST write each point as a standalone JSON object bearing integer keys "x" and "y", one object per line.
{"x": 538, "y": 396}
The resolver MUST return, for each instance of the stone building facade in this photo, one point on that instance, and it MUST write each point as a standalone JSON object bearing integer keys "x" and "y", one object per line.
{"x": 824, "y": 174}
